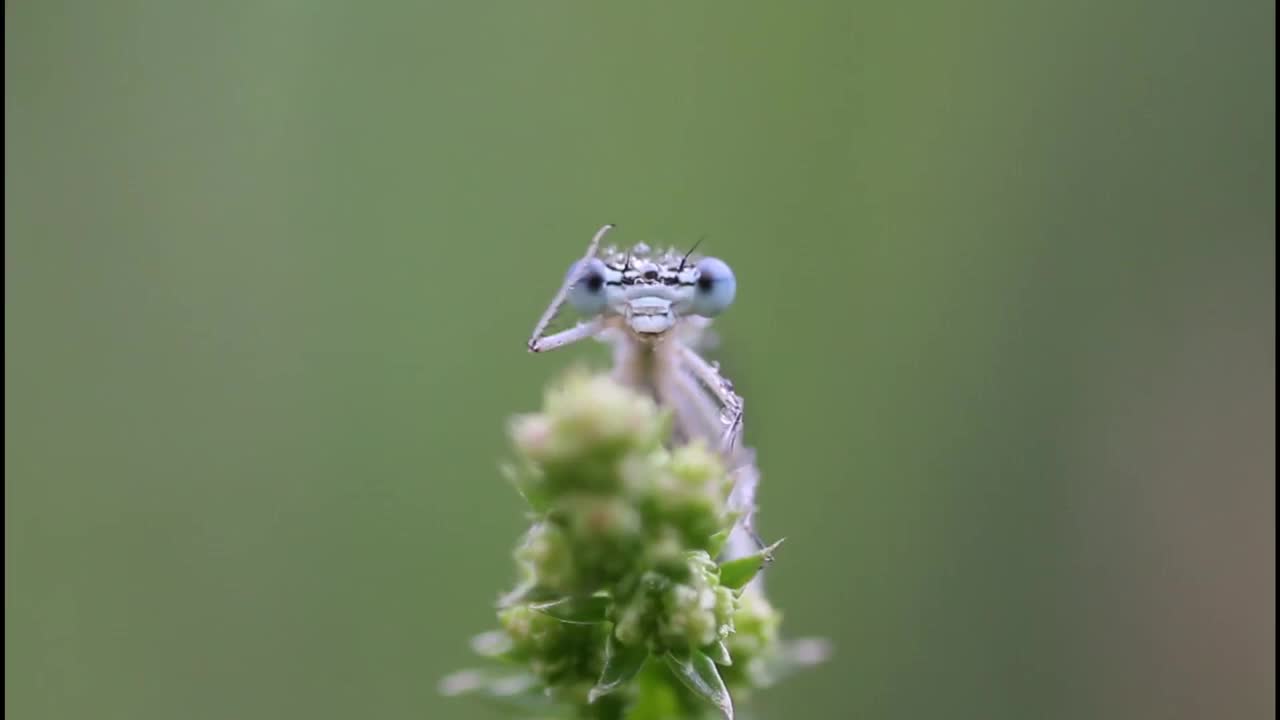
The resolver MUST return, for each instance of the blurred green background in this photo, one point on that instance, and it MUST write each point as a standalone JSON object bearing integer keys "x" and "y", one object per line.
{"x": 1005, "y": 327}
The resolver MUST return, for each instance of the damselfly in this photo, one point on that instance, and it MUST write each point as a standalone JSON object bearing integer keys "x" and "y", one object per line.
{"x": 654, "y": 308}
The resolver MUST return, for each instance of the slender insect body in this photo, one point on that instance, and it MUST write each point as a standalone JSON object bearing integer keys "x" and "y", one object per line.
{"x": 655, "y": 308}
{"x": 654, "y": 365}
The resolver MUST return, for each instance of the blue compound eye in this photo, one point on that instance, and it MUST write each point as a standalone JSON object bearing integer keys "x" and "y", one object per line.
{"x": 587, "y": 294}
{"x": 715, "y": 287}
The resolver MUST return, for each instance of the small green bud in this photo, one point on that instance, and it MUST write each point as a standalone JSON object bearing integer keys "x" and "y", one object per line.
{"x": 633, "y": 621}
{"x": 531, "y": 632}
{"x": 589, "y": 426}
{"x": 667, "y": 555}
{"x": 756, "y": 623}
{"x": 555, "y": 651}
{"x": 592, "y": 413}
{"x": 726, "y": 607}
{"x": 546, "y": 558}
{"x": 532, "y": 436}
{"x": 688, "y": 493}
{"x": 697, "y": 611}
{"x": 606, "y": 536}
{"x": 754, "y": 644}
{"x": 699, "y": 469}
{"x": 602, "y": 519}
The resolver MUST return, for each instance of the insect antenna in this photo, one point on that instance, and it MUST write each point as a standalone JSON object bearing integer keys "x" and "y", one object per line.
{"x": 684, "y": 259}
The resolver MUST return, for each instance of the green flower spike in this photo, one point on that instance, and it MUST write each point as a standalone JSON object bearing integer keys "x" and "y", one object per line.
{"x": 621, "y": 610}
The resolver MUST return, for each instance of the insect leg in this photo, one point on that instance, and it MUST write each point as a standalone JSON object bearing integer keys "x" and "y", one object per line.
{"x": 698, "y": 415}
{"x": 566, "y": 337}
{"x": 560, "y": 296}
{"x": 713, "y": 380}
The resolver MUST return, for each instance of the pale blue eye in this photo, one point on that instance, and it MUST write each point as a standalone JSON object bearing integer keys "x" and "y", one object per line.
{"x": 587, "y": 294}
{"x": 715, "y": 287}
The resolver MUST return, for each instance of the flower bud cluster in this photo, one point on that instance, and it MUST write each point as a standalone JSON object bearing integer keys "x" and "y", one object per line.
{"x": 619, "y": 565}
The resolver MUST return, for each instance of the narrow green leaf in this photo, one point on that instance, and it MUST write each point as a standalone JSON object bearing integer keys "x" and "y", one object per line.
{"x": 699, "y": 673}
{"x": 737, "y": 573}
{"x": 719, "y": 652}
{"x": 528, "y": 591}
{"x": 576, "y": 610}
{"x": 621, "y": 663}
{"x": 716, "y": 543}
{"x": 520, "y": 481}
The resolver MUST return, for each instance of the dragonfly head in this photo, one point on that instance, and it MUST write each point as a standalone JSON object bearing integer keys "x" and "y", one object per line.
{"x": 651, "y": 292}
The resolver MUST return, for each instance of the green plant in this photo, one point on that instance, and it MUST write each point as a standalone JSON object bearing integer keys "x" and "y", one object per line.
{"x": 622, "y": 610}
